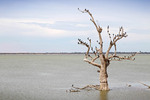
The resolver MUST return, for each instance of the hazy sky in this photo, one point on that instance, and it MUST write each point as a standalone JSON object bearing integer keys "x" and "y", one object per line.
{"x": 55, "y": 25}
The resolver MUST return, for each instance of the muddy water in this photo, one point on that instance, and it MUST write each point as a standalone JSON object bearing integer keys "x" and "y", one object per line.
{"x": 47, "y": 77}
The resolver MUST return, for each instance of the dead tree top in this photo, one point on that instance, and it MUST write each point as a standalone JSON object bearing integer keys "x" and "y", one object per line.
{"x": 98, "y": 51}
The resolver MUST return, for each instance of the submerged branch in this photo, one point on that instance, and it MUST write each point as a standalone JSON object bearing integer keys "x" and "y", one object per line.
{"x": 145, "y": 85}
{"x": 88, "y": 88}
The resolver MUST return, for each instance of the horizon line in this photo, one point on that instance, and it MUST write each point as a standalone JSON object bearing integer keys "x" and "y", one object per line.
{"x": 120, "y": 52}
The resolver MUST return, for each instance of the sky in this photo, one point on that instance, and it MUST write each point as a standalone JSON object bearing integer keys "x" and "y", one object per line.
{"x": 55, "y": 25}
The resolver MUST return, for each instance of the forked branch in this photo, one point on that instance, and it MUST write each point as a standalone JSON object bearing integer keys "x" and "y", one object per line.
{"x": 113, "y": 41}
{"x": 87, "y": 55}
{"x": 87, "y": 45}
{"x": 98, "y": 52}
{"x": 98, "y": 28}
{"x": 92, "y": 63}
{"x": 119, "y": 58}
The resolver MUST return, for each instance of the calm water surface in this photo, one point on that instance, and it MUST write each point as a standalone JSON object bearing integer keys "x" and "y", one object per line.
{"x": 47, "y": 77}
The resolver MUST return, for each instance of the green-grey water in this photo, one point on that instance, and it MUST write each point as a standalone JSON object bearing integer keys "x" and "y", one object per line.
{"x": 47, "y": 77}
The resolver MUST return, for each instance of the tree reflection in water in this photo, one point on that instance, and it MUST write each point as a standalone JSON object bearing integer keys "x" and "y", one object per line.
{"x": 103, "y": 95}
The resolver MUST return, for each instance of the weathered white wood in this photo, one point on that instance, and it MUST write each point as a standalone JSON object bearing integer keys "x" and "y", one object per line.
{"x": 104, "y": 59}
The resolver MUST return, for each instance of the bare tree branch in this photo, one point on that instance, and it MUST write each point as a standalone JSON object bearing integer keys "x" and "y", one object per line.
{"x": 88, "y": 87}
{"x": 117, "y": 37}
{"x": 118, "y": 58}
{"x": 92, "y": 63}
{"x": 95, "y": 58}
{"x": 145, "y": 85}
{"x": 87, "y": 55}
{"x": 98, "y": 28}
{"x": 115, "y": 49}
{"x": 87, "y": 45}
{"x": 109, "y": 33}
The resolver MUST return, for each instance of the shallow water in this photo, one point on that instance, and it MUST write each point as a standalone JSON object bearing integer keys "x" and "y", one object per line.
{"x": 47, "y": 77}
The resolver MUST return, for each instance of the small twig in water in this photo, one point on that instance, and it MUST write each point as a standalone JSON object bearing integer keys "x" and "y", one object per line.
{"x": 145, "y": 85}
{"x": 128, "y": 85}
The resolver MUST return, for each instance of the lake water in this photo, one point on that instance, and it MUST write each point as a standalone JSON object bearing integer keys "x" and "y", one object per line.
{"x": 47, "y": 77}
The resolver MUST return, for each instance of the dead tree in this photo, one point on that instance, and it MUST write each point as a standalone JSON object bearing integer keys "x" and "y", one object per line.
{"x": 98, "y": 52}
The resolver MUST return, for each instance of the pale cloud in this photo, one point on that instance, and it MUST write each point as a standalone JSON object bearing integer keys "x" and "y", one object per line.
{"x": 35, "y": 30}
{"x": 31, "y": 20}
{"x": 29, "y": 27}
{"x": 134, "y": 37}
{"x": 82, "y": 25}
{"x": 24, "y": 27}
{"x": 18, "y": 27}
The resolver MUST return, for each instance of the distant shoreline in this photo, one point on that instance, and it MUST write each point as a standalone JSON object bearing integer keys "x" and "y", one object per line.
{"x": 77, "y": 53}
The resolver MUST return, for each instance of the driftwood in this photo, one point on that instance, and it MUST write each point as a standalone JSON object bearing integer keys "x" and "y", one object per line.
{"x": 145, "y": 85}
{"x": 96, "y": 87}
{"x": 72, "y": 90}
{"x": 87, "y": 88}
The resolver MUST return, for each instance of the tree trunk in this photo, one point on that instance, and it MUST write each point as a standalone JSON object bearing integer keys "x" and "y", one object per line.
{"x": 103, "y": 78}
